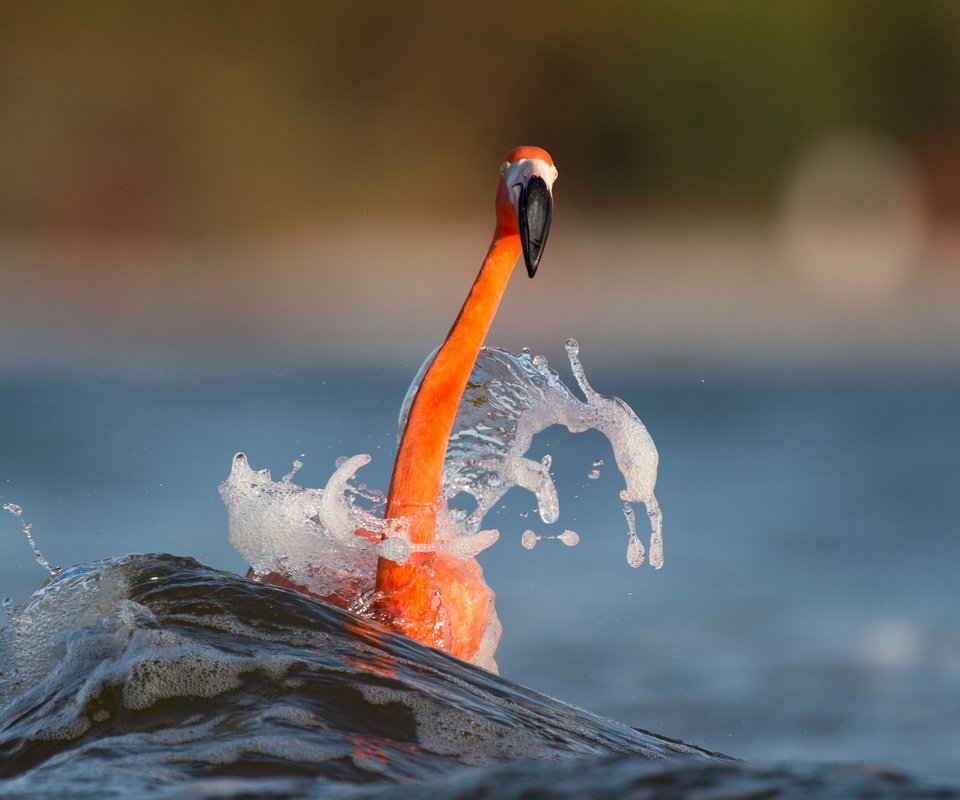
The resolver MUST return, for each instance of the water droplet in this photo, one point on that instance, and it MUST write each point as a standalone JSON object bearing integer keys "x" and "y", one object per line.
{"x": 27, "y": 529}
{"x": 529, "y": 539}
{"x": 570, "y": 538}
{"x": 635, "y": 552}
{"x": 297, "y": 464}
{"x": 594, "y": 474}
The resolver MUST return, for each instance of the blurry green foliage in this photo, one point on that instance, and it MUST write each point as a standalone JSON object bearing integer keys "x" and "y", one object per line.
{"x": 198, "y": 117}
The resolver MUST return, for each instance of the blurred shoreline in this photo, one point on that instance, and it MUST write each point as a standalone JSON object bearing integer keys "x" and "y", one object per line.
{"x": 362, "y": 292}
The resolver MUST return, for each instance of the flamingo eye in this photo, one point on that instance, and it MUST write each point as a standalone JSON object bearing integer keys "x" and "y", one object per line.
{"x": 503, "y": 169}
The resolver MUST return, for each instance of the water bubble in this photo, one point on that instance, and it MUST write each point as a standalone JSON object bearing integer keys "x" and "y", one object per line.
{"x": 540, "y": 362}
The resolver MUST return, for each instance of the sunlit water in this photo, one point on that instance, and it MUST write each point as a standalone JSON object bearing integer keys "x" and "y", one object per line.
{"x": 794, "y": 619}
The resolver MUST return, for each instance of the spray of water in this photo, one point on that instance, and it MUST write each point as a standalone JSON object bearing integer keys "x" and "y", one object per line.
{"x": 27, "y": 529}
{"x": 328, "y": 540}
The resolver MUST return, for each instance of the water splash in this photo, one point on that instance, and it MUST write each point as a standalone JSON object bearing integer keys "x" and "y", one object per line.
{"x": 322, "y": 539}
{"x": 326, "y": 541}
{"x": 635, "y": 552}
{"x": 296, "y": 467}
{"x": 508, "y": 400}
{"x": 529, "y": 539}
{"x": 27, "y": 529}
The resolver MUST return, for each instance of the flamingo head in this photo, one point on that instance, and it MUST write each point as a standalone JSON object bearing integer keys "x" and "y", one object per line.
{"x": 525, "y": 200}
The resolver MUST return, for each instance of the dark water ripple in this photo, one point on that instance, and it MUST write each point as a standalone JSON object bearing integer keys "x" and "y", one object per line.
{"x": 157, "y": 675}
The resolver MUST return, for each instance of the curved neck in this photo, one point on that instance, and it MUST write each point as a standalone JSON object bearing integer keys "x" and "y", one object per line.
{"x": 418, "y": 470}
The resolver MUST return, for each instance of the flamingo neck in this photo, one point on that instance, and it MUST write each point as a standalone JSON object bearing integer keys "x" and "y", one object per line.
{"x": 418, "y": 470}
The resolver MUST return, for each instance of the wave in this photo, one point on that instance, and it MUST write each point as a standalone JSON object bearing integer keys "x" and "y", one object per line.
{"x": 156, "y": 675}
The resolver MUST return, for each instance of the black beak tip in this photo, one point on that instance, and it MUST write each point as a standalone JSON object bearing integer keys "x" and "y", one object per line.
{"x": 534, "y": 212}
{"x": 531, "y": 265}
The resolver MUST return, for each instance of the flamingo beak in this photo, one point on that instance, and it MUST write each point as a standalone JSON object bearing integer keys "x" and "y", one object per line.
{"x": 534, "y": 211}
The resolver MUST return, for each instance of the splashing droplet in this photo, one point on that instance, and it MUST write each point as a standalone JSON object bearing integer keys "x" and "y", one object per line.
{"x": 27, "y": 529}
{"x": 297, "y": 464}
{"x": 598, "y": 462}
{"x": 656, "y": 535}
{"x": 570, "y": 538}
{"x": 529, "y": 540}
{"x": 635, "y": 551}
{"x": 594, "y": 474}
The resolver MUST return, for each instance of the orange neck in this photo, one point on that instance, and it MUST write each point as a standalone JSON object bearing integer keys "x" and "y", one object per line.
{"x": 418, "y": 470}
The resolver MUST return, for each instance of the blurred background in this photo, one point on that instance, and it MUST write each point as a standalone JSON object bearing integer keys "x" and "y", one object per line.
{"x": 231, "y": 226}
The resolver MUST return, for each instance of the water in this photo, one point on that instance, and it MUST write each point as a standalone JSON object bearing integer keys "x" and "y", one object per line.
{"x": 154, "y": 675}
{"x": 807, "y": 610}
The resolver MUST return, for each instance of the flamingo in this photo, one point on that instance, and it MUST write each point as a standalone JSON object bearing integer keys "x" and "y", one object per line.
{"x": 435, "y": 597}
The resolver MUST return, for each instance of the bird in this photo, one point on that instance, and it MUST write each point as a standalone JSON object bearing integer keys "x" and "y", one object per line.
{"x": 435, "y": 597}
